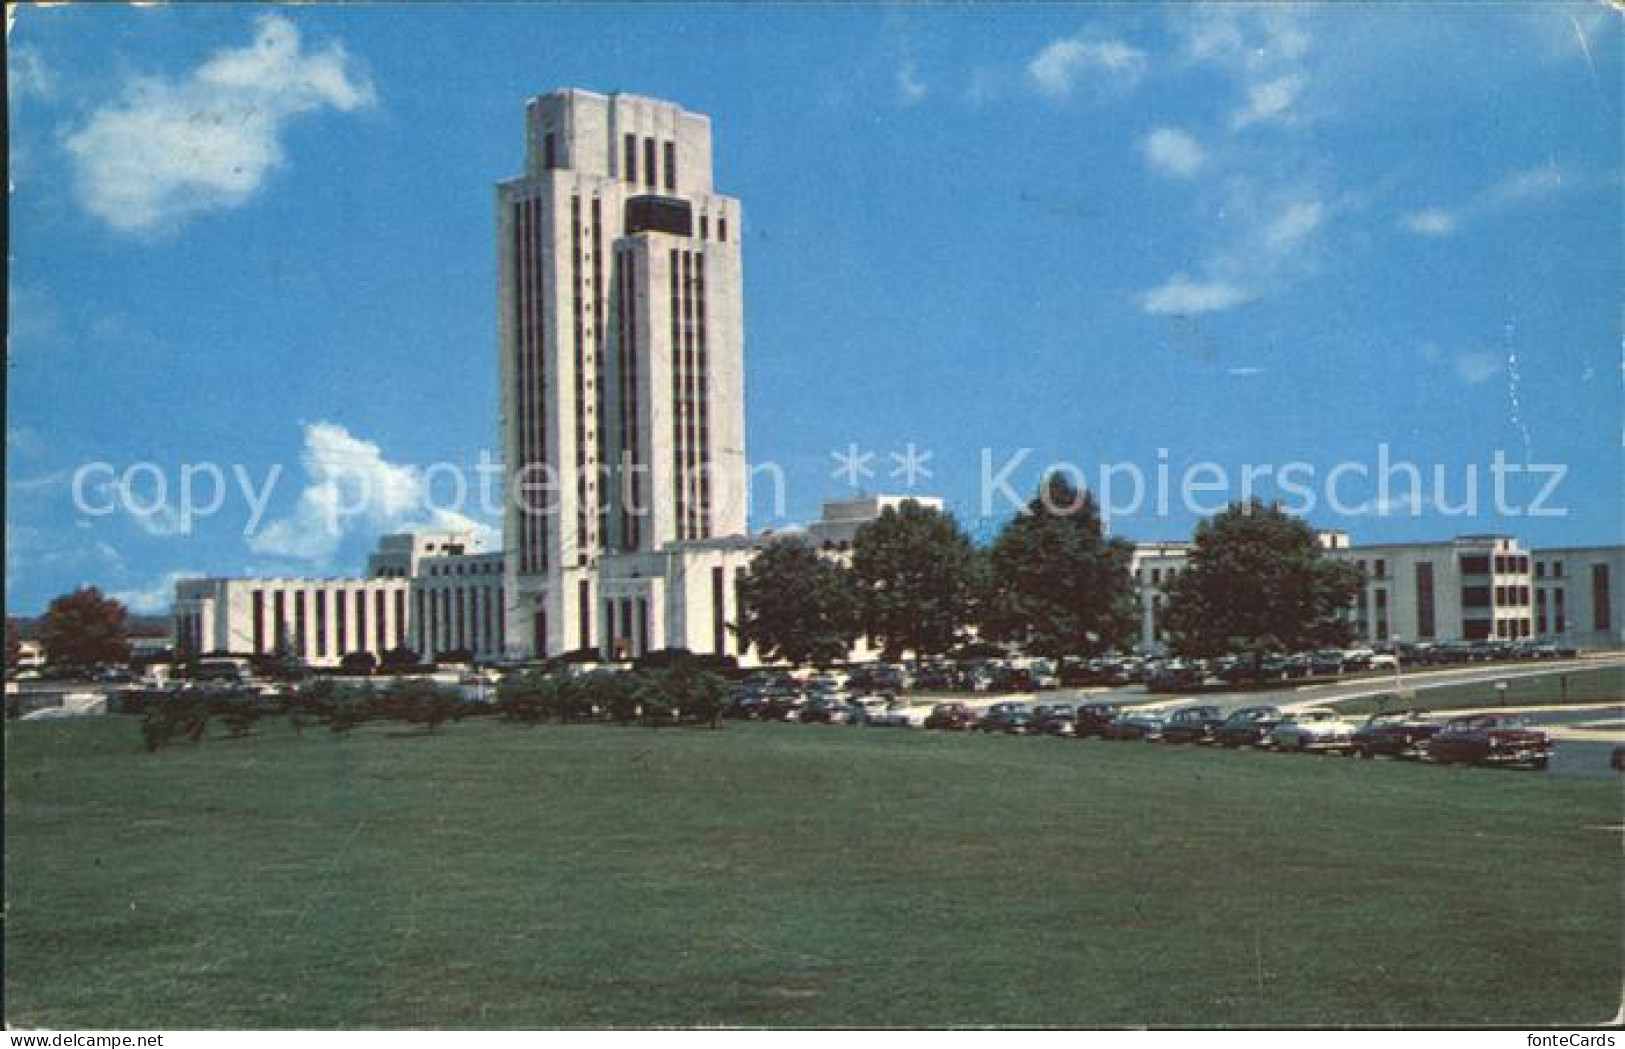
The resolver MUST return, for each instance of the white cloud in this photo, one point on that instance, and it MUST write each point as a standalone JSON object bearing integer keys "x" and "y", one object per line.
{"x": 159, "y": 597}
{"x": 350, "y": 485}
{"x": 1517, "y": 188}
{"x": 1056, "y": 69}
{"x": 1269, "y": 102}
{"x": 1173, "y": 152}
{"x": 167, "y": 150}
{"x": 1476, "y": 367}
{"x": 1270, "y": 240}
{"x": 1289, "y": 230}
{"x": 27, "y": 75}
{"x": 1182, "y": 296}
{"x": 910, "y": 88}
{"x": 1245, "y": 370}
{"x": 1430, "y": 222}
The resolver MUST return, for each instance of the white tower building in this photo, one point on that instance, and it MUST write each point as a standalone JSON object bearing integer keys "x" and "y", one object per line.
{"x": 621, "y": 343}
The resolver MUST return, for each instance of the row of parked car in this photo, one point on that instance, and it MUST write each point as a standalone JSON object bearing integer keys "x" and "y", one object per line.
{"x": 1484, "y": 739}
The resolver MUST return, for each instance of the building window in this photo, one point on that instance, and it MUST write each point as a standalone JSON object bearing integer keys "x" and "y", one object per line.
{"x": 299, "y": 622}
{"x": 550, "y": 153}
{"x": 629, "y": 160}
{"x": 279, "y": 620}
{"x": 400, "y": 619}
{"x": 719, "y": 614}
{"x": 1475, "y": 565}
{"x": 1560, "y": 619}
{"x": 1475, "y": 597}
{"x": 1601, "y": 603}
{"x": 1425, "y": 625}
{"x": 584, "y": 610}
{"x": 649, "y": 173}
{"x": 705, "y": 227}
{"x": 342, "y": 622}
{"x": 1540, "y": 611}
{"x": 258, "y": 602}
{"x": 671, "y": 166}
{"x": 722, "y": 228}
{"x": 1379, "y": 568}
{"x": 321, "y": 622}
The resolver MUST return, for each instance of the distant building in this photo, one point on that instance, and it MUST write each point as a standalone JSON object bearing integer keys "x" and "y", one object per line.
{"x": 1577, "y": 595}
{"x": 423, "y": 592}
{"x": 1471, "y": 588}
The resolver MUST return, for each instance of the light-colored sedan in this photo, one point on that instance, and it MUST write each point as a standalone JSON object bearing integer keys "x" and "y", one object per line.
{"x": 898, "y": 714}
{"x": 1314, "y": 729}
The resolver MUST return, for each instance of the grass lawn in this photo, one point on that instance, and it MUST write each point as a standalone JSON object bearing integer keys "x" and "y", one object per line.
{"x": 1596, "y": 685}
{"x": 495, "y": 876}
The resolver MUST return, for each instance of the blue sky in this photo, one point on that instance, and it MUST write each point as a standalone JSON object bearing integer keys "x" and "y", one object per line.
{"x": 255, "y": 236}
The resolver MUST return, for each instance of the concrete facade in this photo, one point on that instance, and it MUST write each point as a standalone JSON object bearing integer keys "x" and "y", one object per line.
{"x": 621, "y": 348}
{"x": 1577, "y": 595}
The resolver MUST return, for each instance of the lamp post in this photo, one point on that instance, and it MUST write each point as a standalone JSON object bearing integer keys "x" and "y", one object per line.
{"x": 1399, "y": 673}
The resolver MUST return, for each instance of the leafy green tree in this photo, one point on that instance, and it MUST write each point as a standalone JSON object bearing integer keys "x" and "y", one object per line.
{"x": 14, "y": 644}
{"x": 400, "y": 658}
{"x": 358, "y": 663}
{"x": 916, "y": 574}
{"x": 529, "y": 697}
{"x": 85, "y": 628}
{"x": 796, "y": 605}
{"x": 1056, "y": 584}
{"x": 1257, "y": 582}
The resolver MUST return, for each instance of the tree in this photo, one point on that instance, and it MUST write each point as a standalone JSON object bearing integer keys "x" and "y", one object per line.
{"x": 797, "y": 605}
{"x": 361, "y": 663}
{"x": 14, "y": 644}
{"x": 400, "y": 658}
{"x": 915, "y": 571}
{"x": 84, "y": 629}
{"x": 1257, "y": 582}
{"x": 1056, "y": 584}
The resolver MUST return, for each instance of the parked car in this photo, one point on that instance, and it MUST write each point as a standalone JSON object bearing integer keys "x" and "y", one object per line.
{"x": 1091, "y": 719}
{"x": 1137, "y": 724}
{"x": 1249, "y": 727}
{"x": 1395, "y": 734}
{"x": 1490, "y": 739}
{"x": 896, "y": 714}
{"x": 869, "y": 706}
{"x": 782, "y": 706}
{"x": 1054, "y": 719}
{"x": 1192, "y": 725}
{"x": 953, "y": 717}
{"x": 1317, "y": 728}
{"x": 1176, "y": 676}
{"x": 1014, "y": 718}
{"x": 827, "y": 710}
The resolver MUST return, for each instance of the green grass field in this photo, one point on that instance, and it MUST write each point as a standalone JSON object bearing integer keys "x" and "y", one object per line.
{"x": 1593, "y": 685}
{"x": 495, "y": 876}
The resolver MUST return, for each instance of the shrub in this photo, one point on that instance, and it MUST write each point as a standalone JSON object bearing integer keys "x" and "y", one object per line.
{"x": 420, "y": 701}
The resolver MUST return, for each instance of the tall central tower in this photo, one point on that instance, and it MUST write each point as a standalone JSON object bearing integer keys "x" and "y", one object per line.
{"x": 621, "y": 341}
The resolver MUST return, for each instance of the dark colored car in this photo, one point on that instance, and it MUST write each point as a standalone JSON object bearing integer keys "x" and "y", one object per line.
{"x": 826, "y": 710}
{"x": 1137, "y": 724}
{"x": 1490, "y": 739}
{"x": 1012, "y": 679}
{"x": 1176, "y": 677}
{"x": 953, "y": 717}
{"x": 1249, "y": 727}
{"x": 1395, "y": 734}
{"x": 1192, "y": 725}
{"x": 1054, "y": 719}
{"x": 1091, "y": 719}
{"x": 1014, "y": 718}
{"x": 1327, "y": 662}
